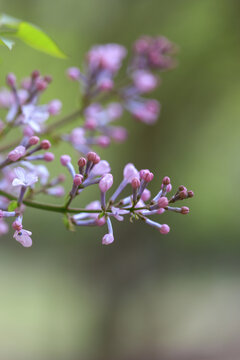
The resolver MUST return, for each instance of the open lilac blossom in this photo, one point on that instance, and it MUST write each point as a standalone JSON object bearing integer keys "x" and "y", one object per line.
{"x": 34, "y": 116}
{"x": 23, "y": 237}
{"x": 24, "y": 178}
{"x": 104, "y": 101}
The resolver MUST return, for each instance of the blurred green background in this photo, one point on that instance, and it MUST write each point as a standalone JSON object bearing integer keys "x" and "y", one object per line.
{"x": 146, "y": 296}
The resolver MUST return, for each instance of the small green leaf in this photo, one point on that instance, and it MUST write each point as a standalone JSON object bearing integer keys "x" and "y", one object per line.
{"x": 68, "y": 223}
{"x": 37, "y": 39}
{"x": 12, "y": 205}
{"x": 101, "y": 215}
{"x": 8, "y": 43}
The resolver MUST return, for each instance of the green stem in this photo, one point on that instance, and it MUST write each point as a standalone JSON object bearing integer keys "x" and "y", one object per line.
{"x": 57, "y": 208}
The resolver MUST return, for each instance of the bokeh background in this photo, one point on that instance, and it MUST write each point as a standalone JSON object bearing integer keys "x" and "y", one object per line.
{"x": 147, "y": 296}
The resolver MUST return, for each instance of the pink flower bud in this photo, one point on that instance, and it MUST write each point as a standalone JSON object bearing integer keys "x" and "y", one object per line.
{"x": 73, "y": 73}
{"x": 160, "y": 211}
{"x": 82, "y": 162}
{"x": 182, "y": 188}
{"x": 33, "y": 140}
{"x": 48, "y": 78}
{"x": 65, "y": 159}
{"x": 106, "y": 182}
{"x": 28, "y": 131}
{"x": 103, "y": 141}
{"x": 146, "y": 175}
{"x": 45, "y": 144}
{"x": 54, "y": 107}
{"x": 164, "y": 229}
{"x": 49, "y": 156}
{"x": 11, "y": 80}
{"x": 35, "y": 74}
{"x": 107, "y": 239}
{"x": 93, "y": 157}
{"x": 135, "y": 183}
{"x": 78, "y": 179}
{"x": 90, "y": 124}
{"x": 41, "y": 84}
{"x": 184, "y": 210}
{"x": 17, "y": 225}
{"x": 17, "y": 153}
{"x": 183, "y": 194}
{"x": 190, "y": 194}
{"x": 146, "y": 195}
{"x": 101, "y": 221}
{"x": 168, "y": 188}
{"x": 166, "y": 180}
{"x": 163, "y": 202}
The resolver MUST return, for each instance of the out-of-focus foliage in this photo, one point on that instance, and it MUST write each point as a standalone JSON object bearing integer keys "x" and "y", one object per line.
{"x": 28, "y": 33}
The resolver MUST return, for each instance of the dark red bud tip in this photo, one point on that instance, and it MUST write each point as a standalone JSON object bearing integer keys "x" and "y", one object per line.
{"x": 135, "y": 183}
{"x": 183, "y": 194}
{"x": 48, "y": 78}
{"x": 184, "y": 210}
{"x": 166, "y": 180}
{"x": 182, "y": 188}
{"x": 190, "y": 194}
{"x": 93, "y": 157}
{"x": 82, "y": 162}
{"x": 35, "y": 74}
{"x": 45, "y": 144}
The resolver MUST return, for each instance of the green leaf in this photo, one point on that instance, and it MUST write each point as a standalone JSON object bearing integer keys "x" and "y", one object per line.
{"x": 37, "y": 39}
{"x": 8, "y": 43}
{"x": 12, "y": 205}
{"x": 68, "y": 223}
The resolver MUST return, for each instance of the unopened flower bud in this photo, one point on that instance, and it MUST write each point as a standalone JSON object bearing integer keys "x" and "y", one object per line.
{"x": 73, "y": 73}
{"x": 45, "y": 144}
{"x": 82, "y": 162}
{"x": 190, "y": 194}
{"x": 65, "y": 159}
{"x": 164, "y": 229}
{"x": 17, "y": 153}
{"x": 146, "y": 195}
{"x": 146, "y": 175}
{"x": 163, "y": 202}
{"x": 78, "y": 179}
{"x": 135, "y": 183}
{"x": 183, "y": 194}
{"x": 184, "y": 210}
{"x": 33, "y": 140}
{"x": 35, "y": 74}
{"x": 54, "y": 107}
{"x": 48, "y": 156}
{"x": 93, "y": 157}
{"x": 166, "y": 180}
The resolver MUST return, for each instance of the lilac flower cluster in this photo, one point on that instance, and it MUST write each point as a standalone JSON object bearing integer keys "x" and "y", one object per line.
{"x": 104, "y": 99}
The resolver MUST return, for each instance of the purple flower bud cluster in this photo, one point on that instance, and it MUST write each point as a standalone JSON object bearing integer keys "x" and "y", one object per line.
{"x": 106, "y": 93}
